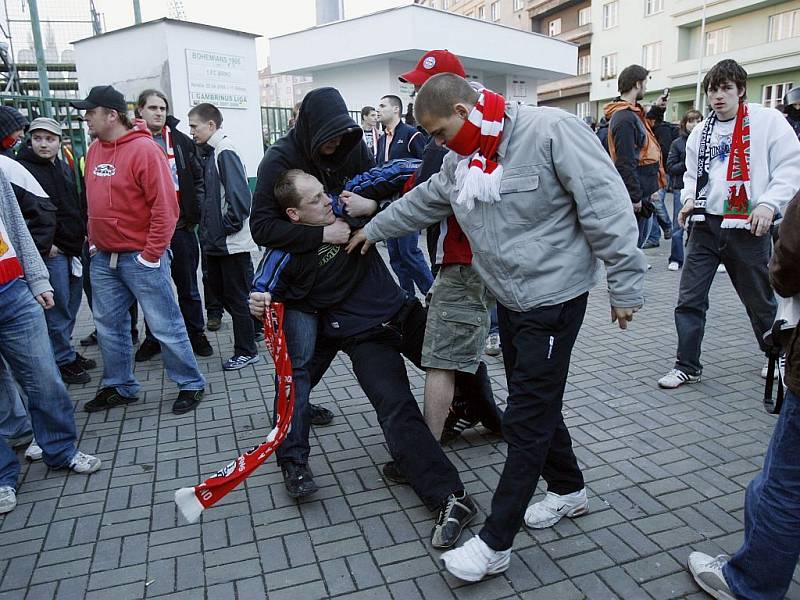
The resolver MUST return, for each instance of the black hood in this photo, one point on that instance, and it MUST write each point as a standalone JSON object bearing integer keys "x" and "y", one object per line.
{"x": 323, "y": 115}
{"x": 171, "y": 121}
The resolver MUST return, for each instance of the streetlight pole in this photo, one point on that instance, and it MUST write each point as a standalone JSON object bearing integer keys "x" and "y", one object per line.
{"x": 700, "y": 60}
{"x": 41, "y": 65}
{"x": 137, "y": 12}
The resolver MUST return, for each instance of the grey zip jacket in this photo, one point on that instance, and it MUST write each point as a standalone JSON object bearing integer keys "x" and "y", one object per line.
{"x": 563, "y": 211}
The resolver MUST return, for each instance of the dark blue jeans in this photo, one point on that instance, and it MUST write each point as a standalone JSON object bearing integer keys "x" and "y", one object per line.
{"x": 660, "y": 219}
{"x": 185, "y": 260}
{"x": 61, "y": 318}
{"x": 763, "y": 567}
{"x": 494, "y": 326}
{"x": 26, "y": 349}
{"x": 676, "y": 251}
{"x": 408, "y": 263}
{"x": 300, "y": 329}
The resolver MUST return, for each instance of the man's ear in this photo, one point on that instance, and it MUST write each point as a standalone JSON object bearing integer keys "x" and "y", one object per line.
{"x": 462, "y": 111}
{"x": 293, "y": 215}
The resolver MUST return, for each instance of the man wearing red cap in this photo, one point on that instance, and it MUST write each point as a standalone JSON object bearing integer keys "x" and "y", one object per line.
{"x": 457, "y": 313}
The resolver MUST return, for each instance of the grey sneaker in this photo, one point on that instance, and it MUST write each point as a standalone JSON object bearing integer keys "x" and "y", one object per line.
{"x": 707, "y": 572}
{"x": 84, "y": 463}
{"x": 34, "y": 451}
{"x": 492, "y": 347}
{"x": 8, "y": 499}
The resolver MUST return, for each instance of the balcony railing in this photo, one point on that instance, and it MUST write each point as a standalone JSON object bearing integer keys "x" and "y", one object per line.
{"x": 537, "y": 8}
{"x": 564, "y": 84}
{"x": 573, "y": 35}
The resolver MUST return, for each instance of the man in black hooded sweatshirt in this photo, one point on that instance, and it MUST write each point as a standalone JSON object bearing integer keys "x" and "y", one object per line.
{"x": 327, "y": 143}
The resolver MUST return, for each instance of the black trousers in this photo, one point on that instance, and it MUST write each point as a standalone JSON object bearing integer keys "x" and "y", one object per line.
{"x": 228, "y": 281}
{"x": 185, "y": 260}
{"x": 537, "y": 346}
{"x": 377, "y": 357}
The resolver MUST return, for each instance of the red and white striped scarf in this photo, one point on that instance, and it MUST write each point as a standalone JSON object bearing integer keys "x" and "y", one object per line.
{"x": 170, "y": 151}
{"x": 478, "y": 174}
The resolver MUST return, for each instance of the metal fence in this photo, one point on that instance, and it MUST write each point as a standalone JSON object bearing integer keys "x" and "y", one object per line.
{"x": 275, "y": 122}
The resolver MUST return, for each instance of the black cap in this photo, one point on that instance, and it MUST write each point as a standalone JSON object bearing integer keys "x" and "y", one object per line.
{"x": 105, "y": 96}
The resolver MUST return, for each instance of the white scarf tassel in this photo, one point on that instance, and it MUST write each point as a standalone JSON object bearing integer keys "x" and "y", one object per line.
{"x": 474, "y": 184}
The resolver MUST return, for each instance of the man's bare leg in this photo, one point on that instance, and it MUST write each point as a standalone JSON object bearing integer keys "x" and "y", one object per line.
{"x": 439, "y": 390}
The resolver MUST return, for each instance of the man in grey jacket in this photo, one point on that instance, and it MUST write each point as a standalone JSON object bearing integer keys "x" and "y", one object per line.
{"x": 558, "y": 205}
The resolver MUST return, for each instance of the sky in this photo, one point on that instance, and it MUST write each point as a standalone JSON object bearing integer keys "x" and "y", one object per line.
{"x": 268, "y": 18}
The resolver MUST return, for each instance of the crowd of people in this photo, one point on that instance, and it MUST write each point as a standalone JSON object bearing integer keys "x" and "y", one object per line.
{"x": 524, "y": 207}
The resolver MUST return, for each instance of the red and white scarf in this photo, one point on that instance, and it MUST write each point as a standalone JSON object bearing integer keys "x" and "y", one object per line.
{"x": 173, "y": 167}
{"x": 737, "y": 204}
{"x": 10, "y": 267}
{"x": 192, "y": 501}
{"x": 478, "y": 174}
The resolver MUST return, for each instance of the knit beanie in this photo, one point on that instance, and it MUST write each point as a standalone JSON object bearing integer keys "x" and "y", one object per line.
{"x": 11, "y": 120}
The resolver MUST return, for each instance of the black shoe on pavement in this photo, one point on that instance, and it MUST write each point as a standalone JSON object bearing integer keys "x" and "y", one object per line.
{"x": 455, "y": 514}
{"x": 86, "y": 364}
{"x": 147, "y": 350}
{"x": 459, "y": 418}
{"x": 90, "y": 340}
{"x": 187, "y": 400}
{"x": 74, "y": 373}
{"x": 214, "y": 323}
{"x": 299, "y": 480}
{"x": 108, "y": 398}
{"x": 393, "y": 473}
{"x": 201, "y": 345}
{"x": 320, "y": 416}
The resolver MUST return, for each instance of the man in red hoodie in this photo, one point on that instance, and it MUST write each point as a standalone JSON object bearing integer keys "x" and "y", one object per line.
{"x": 132, "y": 215}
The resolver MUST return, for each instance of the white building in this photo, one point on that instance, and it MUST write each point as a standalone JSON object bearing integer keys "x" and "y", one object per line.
{"x": 362, "y": 57}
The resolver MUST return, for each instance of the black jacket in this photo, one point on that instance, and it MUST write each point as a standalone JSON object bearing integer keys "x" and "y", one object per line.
{"x": 323, "y": 115}
{"x": 190, "y": 175}
{"x": 676, "y": 163}
{"x": 68, "y": 232}
{"x": 664, "y": 131}
{"x": 602, "y": 132}
{"x": 407, "y": 142}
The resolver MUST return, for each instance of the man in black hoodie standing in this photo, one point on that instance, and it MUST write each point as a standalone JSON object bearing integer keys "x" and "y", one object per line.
{"x": 187, "y": 175}
{"x": 327, "y": 143}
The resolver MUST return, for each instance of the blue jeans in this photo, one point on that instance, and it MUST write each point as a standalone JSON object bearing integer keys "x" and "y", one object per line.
{"x": 300, "y": 329}
{"x": 408, "y": 263}
{"x": 660, "y": 219}
{"x": 762, "y": 568}
{"x": 26, "y": 348}
{"x": 494, "y": 326}
{"x": 676, "y": 252}
{"x": 113, "y": 290}
{"x": 14, "y": 421}
{"x": 644, "y": 230}
{"x": 67, "y": 293}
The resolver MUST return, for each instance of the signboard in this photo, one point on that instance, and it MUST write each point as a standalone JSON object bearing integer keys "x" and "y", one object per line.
{"x": 220, "y": 79}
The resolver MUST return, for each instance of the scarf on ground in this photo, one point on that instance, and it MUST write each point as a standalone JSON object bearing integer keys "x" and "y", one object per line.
{"x": 737, "y": 203}
{"x": 478, "y": 174}
{"x": 193, "y": 500}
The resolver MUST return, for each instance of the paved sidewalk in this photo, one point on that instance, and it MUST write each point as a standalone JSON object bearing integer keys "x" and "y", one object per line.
{"x": 666, "y": 472}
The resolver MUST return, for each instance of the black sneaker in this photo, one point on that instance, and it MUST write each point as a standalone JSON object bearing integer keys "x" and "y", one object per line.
{"x": 455, "y": 514}
{"x": 187, "y": 400}
{"x": 320, "y": 416}
{"x": 86, "y": 363}
{"x": 393, "y": 473}
{"x": 214, "y": 323}
{"x": 74, "y": 373}
{"x": 108, "y": 398}
{"x": 459, "y": 418}
{"x": 201, "y": 345}
{"x": 147, "y": 350}
{"x": 299, "y": 480}
{"x": 89, "y": 340}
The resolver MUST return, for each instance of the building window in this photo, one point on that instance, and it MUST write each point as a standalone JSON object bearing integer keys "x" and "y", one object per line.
{"x": 584, "y": 16}
{"x": 554, "y": 28}
{"x": 717, "y": 41}
{"x": 519, "y": 89}
{"x": 584, "y": 64}
{"x": 482, "y": 12}
{"x": 494, "y": 11}
{"x": 784, "y": 25}
{"x": 583, "y": 109}
{"x": 651, "y": 56}
{"x": 519, "y": 4}
{"x": 773, "y": 94}
{"x": 608, "y": 66}
{"x": 610, "y": 14}
{"x": 652, "y": 7}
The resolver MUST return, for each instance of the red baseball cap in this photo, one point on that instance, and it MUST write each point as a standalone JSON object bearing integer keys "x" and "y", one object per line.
{"x": 432, "y": 63}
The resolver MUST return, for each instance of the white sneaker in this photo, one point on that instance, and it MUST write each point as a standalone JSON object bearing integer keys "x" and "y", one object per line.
{"x": 676, "y": 378}
{"x": 673, "y": 266}
{"x": 84, "y": 463}
{"x": 475, "y": 560}
{"x": 722, "y": 269}
{"x": 765, "y": 369}
{"x": 707, "y": 572}
{"x": 34, "y": 451}
{"x": 8, "y": 499}
{"x": 492, "y": 345}
{"x": 549, "y": 511}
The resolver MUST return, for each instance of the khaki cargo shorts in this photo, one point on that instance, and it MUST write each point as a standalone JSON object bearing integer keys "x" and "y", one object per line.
{"x": 458, "y": 320}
